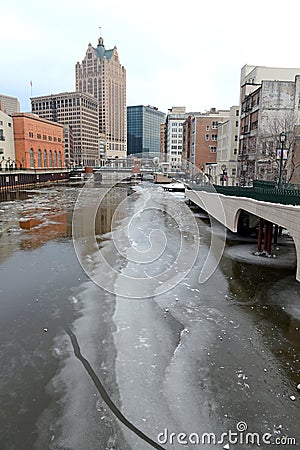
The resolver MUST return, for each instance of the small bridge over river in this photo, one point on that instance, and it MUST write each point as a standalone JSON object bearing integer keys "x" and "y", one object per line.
{"x": 273, "y": 207}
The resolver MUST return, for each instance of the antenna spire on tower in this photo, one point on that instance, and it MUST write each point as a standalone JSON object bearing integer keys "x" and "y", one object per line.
{"x": 100, "y": 40}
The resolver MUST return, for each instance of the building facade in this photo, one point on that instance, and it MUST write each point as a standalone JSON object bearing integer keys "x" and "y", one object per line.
{"x": 270, "y": 107}
{"x": 143, "y": 130}
{"x": 79, "y": 112}
{"x": 174, "y": 136}
{"x": 101, "y": 75}
{"x": 227, "y": 148}
{"x": 69, "y": 146}
{"x": 9, "y": 105}
{"x": 38, "y": 142}
{"x": 200, "y": 140}
{"x": 7, "y": 147}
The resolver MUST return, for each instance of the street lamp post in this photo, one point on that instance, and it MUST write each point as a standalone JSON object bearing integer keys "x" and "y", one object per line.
{"x": 209, "y": 174}
{"x": 282, "y": 138}
{"x": 223, "y": 167}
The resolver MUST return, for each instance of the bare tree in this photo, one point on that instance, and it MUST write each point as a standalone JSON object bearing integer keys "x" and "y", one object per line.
{"x": 268, "y": 142}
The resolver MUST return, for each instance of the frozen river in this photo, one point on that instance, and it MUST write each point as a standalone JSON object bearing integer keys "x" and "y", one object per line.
{"x": 165, "y": 360}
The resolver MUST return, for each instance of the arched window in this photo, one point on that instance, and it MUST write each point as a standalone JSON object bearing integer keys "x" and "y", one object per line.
{"x": 50, "y": 159}
{"x": 45, "y": 158}
{"x": 59, "y": 159}
{"x": 55, "y": 158}
{"x": 31, "y": 158}
{"x": 39, "y": 158}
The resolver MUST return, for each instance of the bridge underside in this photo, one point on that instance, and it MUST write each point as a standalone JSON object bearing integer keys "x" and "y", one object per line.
{"x": 227, "y": 210}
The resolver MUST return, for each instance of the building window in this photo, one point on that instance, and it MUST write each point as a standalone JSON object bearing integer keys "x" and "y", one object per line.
{"x": 237, "y": 113}
{"x": 214, "y": 137}
{"x": 30, "y": 134}
{"x": 45, "y": 158}
{"x": 235, "y": 138}
{"x": 233, "y": 172}
{"x": 50, "y": 159}
{"x": 55, "y": 158}
{"x": 2, "y": 138}
{"x": 31, "y": 158}
{"x": 237, "y": 123}
{"x": 213, "y": 149}
{"x": 207, "y": 127}
{"x": 235, "y": 151}
{"x": 207, "y": 137}
{"x": 215, "y": 124}
{"x": 39, "y": 158}
{"x": 59, "y": 159}
{"x": 39, "y": 136}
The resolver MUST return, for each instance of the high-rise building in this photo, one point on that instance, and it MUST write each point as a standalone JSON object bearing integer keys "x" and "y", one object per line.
{"x": 80, "y": 112}
{"x": 9, "y": 104}
{"x": 101, "y": 74}
{"x": 143, "y": 130}
{"x": 69, "y": 145}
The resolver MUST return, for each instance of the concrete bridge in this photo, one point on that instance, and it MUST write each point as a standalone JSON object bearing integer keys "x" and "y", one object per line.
{"x": 227, "y": 209}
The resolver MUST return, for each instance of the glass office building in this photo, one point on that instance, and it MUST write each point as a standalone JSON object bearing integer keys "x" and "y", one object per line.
{"x": 143, "y": 130}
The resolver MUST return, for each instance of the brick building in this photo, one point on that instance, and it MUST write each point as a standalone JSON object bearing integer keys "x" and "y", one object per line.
{"x": 200, "y": 134}
{"x": 38, "y": 142}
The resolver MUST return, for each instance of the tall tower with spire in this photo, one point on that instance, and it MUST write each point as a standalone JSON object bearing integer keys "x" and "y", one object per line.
{"x": 101, "y": 74}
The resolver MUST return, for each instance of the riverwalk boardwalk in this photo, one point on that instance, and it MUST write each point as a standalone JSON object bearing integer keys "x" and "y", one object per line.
{"x": 227, "y": 209}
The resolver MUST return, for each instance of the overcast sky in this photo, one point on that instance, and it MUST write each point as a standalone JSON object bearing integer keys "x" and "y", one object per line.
{"x": 176, "y": 53}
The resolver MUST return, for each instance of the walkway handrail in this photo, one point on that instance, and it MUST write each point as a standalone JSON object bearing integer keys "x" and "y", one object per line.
{"x": 266, "y": 194}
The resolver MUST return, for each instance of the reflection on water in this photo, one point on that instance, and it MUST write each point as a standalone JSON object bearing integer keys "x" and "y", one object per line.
{"x": 28, "y": 219}
{"x": 272, "y": 297}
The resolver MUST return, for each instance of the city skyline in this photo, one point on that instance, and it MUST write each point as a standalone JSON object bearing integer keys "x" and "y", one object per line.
{"x": 173, "y": 56}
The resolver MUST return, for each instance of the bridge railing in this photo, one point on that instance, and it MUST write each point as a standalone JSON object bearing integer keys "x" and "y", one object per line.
{"x": 288, "y": 194}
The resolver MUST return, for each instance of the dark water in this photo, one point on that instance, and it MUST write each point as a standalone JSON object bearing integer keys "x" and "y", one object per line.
{"x": 195, "y": 358}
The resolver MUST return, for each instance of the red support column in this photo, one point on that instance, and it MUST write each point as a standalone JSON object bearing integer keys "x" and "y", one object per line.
{"x": 269, "y": 243}
{"x": 260, "y": 234}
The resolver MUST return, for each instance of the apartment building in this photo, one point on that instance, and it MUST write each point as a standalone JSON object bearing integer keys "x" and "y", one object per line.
{"x": 78, "y": 111}
{"x": 38, "y": 142}
{"x": 268, "y": 107}
{"x": 200, "y": 140}
{"x": 101, "y": 75}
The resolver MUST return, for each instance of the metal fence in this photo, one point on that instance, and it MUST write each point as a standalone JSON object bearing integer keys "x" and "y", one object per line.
{"x": 262, "y": 191}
